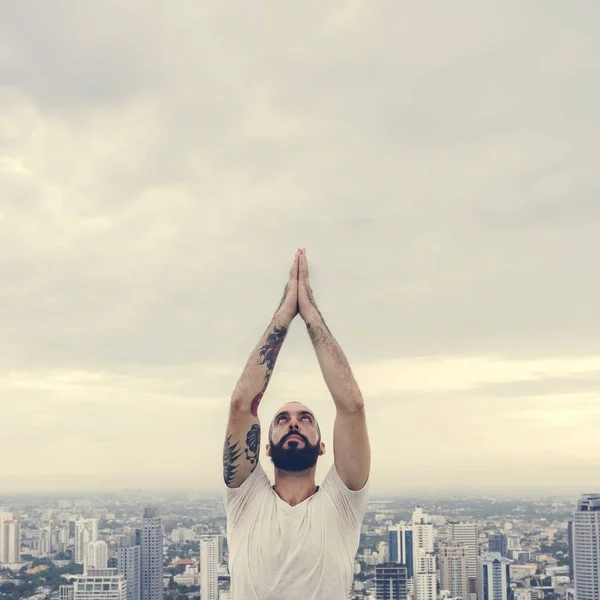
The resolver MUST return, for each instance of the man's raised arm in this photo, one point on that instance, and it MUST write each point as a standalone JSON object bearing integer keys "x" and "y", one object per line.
{"x": 242, "y": 438}
{"x": 351, "y": 447}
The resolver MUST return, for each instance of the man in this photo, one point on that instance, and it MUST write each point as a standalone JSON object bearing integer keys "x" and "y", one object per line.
{"x": 295, "y": 540}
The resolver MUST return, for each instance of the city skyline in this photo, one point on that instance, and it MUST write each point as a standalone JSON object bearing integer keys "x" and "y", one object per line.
{"x": 158, "y": 171}
{"x": 535, "y": 540}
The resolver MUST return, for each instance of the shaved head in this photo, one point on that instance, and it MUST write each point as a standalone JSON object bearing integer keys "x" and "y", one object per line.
{"x": 284, "y": 408}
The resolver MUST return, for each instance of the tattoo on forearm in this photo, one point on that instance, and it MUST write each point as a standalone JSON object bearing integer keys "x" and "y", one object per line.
{"x": 268, "y": 356}
{"x": 231, "y": 454}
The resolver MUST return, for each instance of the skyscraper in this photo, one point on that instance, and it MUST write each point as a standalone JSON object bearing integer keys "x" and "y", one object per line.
{"x": 100, "y": 584}
{"x": 96, "y": 556}
{"x": 129, "y": 562}
{"x": 498, "y": 543}
{"x": 390, "y": 581}
{"x": 401, "y": 546}
{"x": 494, "y": 577}
{"x": 571, "y": 549}
{"x": 453, "y": 569}
{"x": 425, "y": 578}
{"x": 4, "y": 516}
{"x": 424, "y": 571}
{"x": 209, "y": 563}
{"x": 466, "y": 534}
{"x": 10, "y": 540}
{"x": 422, "y": 528}
{"x": 152, "y": 556}
{"x": 45, "y": 541}
{"x": 86, "y": 531}
{"x": 586, "y": 547}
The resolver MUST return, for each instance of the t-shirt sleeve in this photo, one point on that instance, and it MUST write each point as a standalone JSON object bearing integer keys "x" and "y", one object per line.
{"x": 236, "y": 500}
{"x": 351, "y": 505}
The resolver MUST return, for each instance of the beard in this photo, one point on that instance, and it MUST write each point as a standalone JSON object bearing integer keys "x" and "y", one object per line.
{"x": 294, "y": 458}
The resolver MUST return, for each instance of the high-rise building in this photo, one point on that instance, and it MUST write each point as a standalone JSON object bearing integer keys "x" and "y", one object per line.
{"x": 4, "y": 516}
{"x": 453, "y": 569}
{"x": 466, "y": 534}
{"x": 82, "y": 541}
{"x": 401, "y": 546}
{"x": 498, "y": 543}
{"x": 62, "y": 538}
{"x": 209, "y": 564}
{"x": 383, "y": 549}
{"x": 152, "y": 556}
{"x": 422, "y": 527}
{"x": 390, "y": 581}
{"x": 86, "y": 531}
{"x": 45, "y": 541}
{"x": 100, "y": 584}
{"x": 513, "y": 542}
{"x": 571, "y": 550}
{"x": 221, "y": 549}
{"x": 494, "y": 577}
{"x": 10, "y": 539}
{"x": 96, "y": 556}
{"x": 424, "y": 571}
{"x": 425, "y": 578}
{"x": 129, "y": 561}
{"x": 586, "y": 547}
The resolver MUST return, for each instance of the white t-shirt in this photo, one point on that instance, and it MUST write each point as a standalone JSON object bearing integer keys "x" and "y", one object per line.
{"x": 302, "y": 552}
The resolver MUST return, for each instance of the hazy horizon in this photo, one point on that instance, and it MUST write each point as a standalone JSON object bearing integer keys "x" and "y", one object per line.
{"x": 160, "y": 166}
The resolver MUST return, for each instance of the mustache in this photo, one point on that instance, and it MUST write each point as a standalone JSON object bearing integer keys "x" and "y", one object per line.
{"x": 293, "y": 433}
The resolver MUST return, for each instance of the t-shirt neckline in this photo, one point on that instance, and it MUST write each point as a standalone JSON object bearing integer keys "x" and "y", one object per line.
{"x": 289, "y": 506}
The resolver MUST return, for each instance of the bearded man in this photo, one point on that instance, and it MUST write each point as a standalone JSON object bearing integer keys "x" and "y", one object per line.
{"x": 295, "y": 540}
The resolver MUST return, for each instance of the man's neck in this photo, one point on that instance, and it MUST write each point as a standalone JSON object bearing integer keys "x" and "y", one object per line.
{"x": 294, "y": 488}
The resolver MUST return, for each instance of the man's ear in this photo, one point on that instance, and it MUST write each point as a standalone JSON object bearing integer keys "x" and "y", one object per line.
{"x": 268, "y": 449}
{"x": 322, "y": 450}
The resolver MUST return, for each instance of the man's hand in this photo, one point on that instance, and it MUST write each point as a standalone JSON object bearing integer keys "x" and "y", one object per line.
{"x": 306, "y": 300}
{"x": 288, "y": 307}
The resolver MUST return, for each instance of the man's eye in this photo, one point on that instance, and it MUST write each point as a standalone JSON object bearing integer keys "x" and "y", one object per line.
{"x": 306, "y": 417}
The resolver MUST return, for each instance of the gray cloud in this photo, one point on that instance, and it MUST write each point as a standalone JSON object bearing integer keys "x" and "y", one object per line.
{"x": 68, "y": 56}
{"x": 159, "y": 167}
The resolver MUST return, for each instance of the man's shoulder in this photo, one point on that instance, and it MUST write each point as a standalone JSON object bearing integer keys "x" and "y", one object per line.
{"x": 333, "y": 482}
{"x": 252, "y": 488}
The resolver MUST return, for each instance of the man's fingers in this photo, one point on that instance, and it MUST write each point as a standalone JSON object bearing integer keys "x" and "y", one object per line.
{"x": 294, "y": 269}
{"x": 294, "y": 272}
{"x": 303, "y": 266}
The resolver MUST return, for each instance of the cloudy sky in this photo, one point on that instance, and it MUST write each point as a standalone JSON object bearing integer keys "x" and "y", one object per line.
{"x": 161, "y": 163}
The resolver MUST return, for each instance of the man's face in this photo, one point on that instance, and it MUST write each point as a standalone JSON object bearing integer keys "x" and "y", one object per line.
{"x": 294, "y": 439}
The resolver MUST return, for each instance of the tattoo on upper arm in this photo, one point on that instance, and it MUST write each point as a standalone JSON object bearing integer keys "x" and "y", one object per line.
{"x": 253, "y": 444}
{"x": 268, "y": 356}
{"x": 233, "y": 452}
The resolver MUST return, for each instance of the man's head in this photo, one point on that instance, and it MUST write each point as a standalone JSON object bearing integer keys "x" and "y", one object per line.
{"x": 294, "y": 438}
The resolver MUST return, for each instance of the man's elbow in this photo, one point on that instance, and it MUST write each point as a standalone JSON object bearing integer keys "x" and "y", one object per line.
{"x": 239, "y": 404}
{"x": 351, "y": 405}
